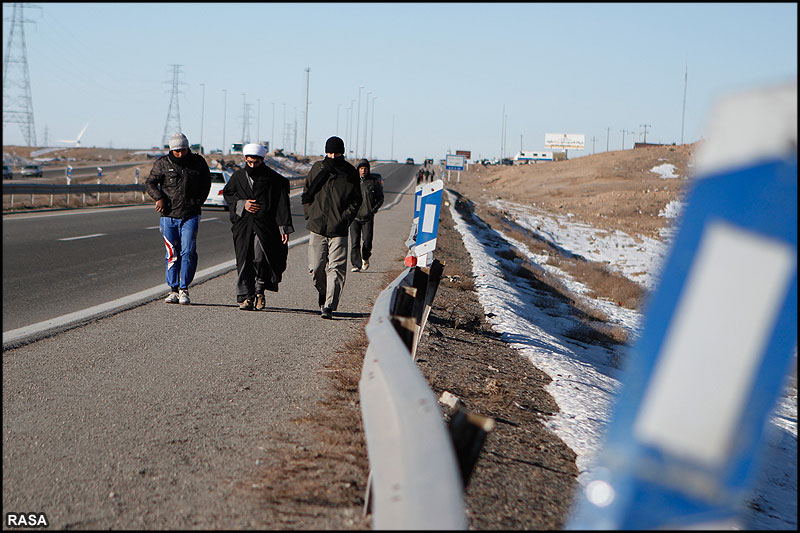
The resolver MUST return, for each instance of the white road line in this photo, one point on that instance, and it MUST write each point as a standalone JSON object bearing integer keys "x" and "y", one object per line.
{"x": 82, "y": 237}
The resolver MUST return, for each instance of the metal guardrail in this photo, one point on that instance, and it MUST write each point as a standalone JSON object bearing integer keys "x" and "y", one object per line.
{"x": 79, "y": 188}
{"x": 415, "y": 481}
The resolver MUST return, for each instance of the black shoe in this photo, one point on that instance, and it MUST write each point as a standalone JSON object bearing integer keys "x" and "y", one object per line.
{"x": 327, "y": 312}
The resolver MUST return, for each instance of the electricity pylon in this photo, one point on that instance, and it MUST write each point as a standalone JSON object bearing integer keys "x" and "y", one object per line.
{"x": 17, "y": 100}
{"x": 173, "y": 124}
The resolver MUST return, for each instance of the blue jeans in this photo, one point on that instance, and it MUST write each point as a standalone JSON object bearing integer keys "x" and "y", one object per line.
{"x": 180, "y": 239}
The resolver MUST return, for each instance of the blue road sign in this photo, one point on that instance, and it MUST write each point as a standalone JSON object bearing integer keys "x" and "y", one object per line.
{"x": 428, "y": 217}
{"x": 719, "y": 338}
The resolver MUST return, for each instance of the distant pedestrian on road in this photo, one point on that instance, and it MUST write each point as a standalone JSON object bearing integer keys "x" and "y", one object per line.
{"x": 362, "y": 227}
{"x": 179, "y": 182}
{"x": 331, "y": 199}
{"x": 258, "y": 202}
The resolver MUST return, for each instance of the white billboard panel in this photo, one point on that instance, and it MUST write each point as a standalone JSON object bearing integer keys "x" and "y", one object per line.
{"x": 564, "y": 141}
{"x": 454, "y": 162}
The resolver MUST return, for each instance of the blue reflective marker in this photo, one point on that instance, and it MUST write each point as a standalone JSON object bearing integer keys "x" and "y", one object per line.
{"x": 719, "y": 338}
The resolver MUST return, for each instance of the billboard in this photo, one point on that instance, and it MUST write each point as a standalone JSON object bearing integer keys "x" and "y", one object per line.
{"x": 564, "y": 141}
{"x": 465, "y": 153}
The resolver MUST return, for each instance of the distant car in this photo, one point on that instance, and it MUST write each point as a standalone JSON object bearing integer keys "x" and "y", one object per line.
{"x": 218, "y": 180}
{"x": 7, "y": 173}
{"x": 33, "y": 171}
{"x": 410, "y": 161}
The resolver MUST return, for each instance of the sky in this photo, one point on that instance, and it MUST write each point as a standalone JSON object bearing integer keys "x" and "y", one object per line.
{"x": 587, "y": 379}
{"x": 489, "y": 78}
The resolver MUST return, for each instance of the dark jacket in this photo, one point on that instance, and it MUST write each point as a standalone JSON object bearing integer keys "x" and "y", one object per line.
{"x": 273, "y": 219}
{"x": 331, "y": 197}
{"x": 183, "y": 182}
{"x": 372, "y": 197}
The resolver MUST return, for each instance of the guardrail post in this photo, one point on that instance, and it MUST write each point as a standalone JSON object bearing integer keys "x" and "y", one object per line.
{"x": 468, "y": 431}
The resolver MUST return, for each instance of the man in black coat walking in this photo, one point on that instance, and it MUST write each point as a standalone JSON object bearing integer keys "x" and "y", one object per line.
{"x": 361, "y": 228}
{"x": 258, "y": 201}
{"x": 331, "y": 198}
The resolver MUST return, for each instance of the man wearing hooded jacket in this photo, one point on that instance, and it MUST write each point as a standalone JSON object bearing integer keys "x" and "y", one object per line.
{"x": 361, "y": 228}
{"x": 331, "y": 198}
{"x": 258, "y": 201}
{"x": 179, "y": 182}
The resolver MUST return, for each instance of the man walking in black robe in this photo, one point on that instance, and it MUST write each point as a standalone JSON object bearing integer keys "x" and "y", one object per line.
{"x": 258, "y": 201}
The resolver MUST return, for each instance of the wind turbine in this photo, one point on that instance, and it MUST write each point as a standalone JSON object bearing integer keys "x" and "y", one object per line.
{"x": 76, "y": 142}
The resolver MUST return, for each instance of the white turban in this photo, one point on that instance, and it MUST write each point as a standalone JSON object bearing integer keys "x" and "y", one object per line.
{"x": 254, "y": 149}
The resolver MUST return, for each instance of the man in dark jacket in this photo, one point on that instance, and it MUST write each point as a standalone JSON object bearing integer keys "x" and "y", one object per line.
{"x": 258, "y": 201}
{"x": 179, "y": 183}
{"x": 331, "y": 198}
{"x": 361, "y": 228}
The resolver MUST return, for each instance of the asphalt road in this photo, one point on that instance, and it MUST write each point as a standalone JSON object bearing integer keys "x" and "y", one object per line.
{"x": 58, "y": 174}
{"x": 162, "y": 416}
{"x": 55, "y": 263}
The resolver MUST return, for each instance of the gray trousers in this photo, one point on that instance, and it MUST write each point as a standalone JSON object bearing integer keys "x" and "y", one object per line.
{"x": 327, "y": 264}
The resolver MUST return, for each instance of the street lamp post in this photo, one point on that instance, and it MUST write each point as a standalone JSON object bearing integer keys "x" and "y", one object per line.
{"x": 224, "y": 117}
{"x": 366, "y": 121}
{"x": 202, "y": 115}
{"x": 358, "y": 118}
{"x": 372, "y": 127}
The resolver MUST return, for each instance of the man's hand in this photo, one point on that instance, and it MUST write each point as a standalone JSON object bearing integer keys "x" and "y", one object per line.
{"x": 285, "y": 238}
{"x": 160, "y": 205}
{"x": 251, "y": 206}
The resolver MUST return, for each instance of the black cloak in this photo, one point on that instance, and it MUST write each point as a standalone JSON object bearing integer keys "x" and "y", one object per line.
{"x": 271, "y": 191}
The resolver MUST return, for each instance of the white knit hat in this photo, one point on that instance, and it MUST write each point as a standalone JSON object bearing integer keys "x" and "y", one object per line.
{"x": 255, "y": 149}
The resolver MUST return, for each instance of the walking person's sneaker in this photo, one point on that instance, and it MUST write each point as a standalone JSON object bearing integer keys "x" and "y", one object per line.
{"x": 260, "y": 302}
{"x": 172, "y": 298}
{"x": 364, "y": 264}
{"x": 327, "y": 312}
{"x": 246, "y": 305}
{"x": 355, "y": 269}
{"x": 183, "y": 299}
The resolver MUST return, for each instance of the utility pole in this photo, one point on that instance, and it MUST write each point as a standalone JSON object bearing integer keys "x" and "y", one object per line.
{"x": 520, "y": 143}
{"x": 593, "y": 140}
{"x": 502, "y": 133}
{"x": 685, "y": 82}
{"x": 358, "y": 118}
{"x": 372, "y": 128}
{"x": 645, "y": 126}
{"x": 245, "y": 121}
{"x": 366, "y": 122}
{"x": 608, "y": 134}
{"x": 173, "y": 123}
{"x": 391, "y": 157}
{"x": 272, "y": 135}
{"x": 224, "y": 117}
{"x": 623, "y": 137}
{"x": 305, "y": 120}
{"x": 258, "y": 122}
{"x": 17, "y": 100}
{"x": 202, "y": 114}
